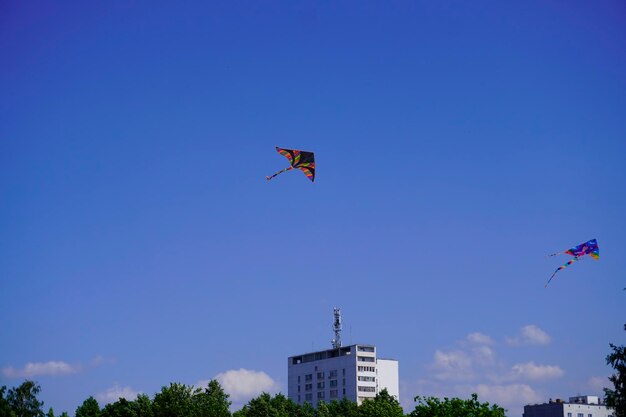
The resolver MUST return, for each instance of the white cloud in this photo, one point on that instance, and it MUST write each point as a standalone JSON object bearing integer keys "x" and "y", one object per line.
{"x": 453, "y": 365}
{"x": 52, "y": 368}
{"x": 534, "y": 335}
{"x": 512, "y": 395}
{"x": 479, "y": 339}
{"x": 484, "y": 355}
{"x": 475, "y": 367}
{"x": 530, "y": 335}
{"x": 598, "y": 383}
{"x": 536, "y": 372}
{"x": 32, "y": 369}
{"x": 115, "y": 393}
{"x": 244, "y": 384}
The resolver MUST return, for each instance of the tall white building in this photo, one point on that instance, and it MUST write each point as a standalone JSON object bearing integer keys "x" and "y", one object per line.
{"x": 354, "y": 372}
{"x": 580, "y": 406}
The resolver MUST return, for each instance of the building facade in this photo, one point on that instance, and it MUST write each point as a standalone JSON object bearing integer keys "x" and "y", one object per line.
{"x": 580, "y": 406}
{"x": 353, "y": 372}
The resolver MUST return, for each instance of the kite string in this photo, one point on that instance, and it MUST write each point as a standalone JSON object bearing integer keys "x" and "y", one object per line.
{"x": 279, "y": 172}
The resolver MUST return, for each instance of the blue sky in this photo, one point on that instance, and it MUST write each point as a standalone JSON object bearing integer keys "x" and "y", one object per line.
{"x": 457, "y": 145}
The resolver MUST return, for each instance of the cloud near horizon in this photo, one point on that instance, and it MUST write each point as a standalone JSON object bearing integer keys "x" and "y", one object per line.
{"x": 116, "y": 392}
{"x": 244, "y": 384}
{"x": 598, "y": 383}
{"x": 530, "y": 371}
{"x": 506, "y": 395}
{"x": 472, "y": 366}
{"x": 50, "y": 368}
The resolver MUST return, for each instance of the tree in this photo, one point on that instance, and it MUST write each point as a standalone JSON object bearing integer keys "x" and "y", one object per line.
{"x": 140, "y": 407}
{"x": 306, "y": 410}
{"x": 278, "y": 406}
{"x": 173, "y": 401}
{"x": 383, "y": 405}
{"x": 143, "y": 406}
{"x": 322, "y": 410}
{"x": 455, "y": 407}
{"x": 89, "y": 408}
{"x": 616, "y": 397}
{"x": 23, "y": 400}
{"x": 343, "y": 408}
{"x": 120, "y": 408}
{"x": 5, "y": 407}
{"x": 212, "y": 402}
{"x": 179, "y": 400}
{"x": 50, "y": 413}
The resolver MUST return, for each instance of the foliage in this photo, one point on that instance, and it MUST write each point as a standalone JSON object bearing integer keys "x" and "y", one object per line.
{"x": 23, "y": 400}
{"x": 140, "y": 407}
{"x": 180, "y": 400}
{"x": 120, "y": 408}
{"x": 343, "y": 408}
{"x": 278, "y": 406}
{"x": 212, "y": 402}
{"x": 173, "y": 401}
{"x": 5, "y": 407}
{"x": 616, "y": 397}
{"x": 89, "y": 408}
{"x": 455, "y": 407}
{"x": 383, "y": 405}
{"x": 143, "y": 406}
{"x": 322, "y": 410}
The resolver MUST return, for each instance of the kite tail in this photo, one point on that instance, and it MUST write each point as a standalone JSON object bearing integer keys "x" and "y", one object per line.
{"x": 568, "y": 263}
{"x": 279, "y": 172}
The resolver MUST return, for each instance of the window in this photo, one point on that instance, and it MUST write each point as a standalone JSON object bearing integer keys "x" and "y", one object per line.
{"x": 320, "y": 385}
{"x": 581, "y": 414}
{"x": 308, "y": 397}
{"x": 333, "y": 393}
{"x": 320, "y": 395}
{"x": 589, "y": 415}
{"x": 366, "y": 348}
{"x": 308, "y": 387}
{"x": 367, "y": 378}
{"x": 332, "y": 374}
{"x": 299, "y": 398}
{"x": 320, "y": 375}
{"x": 367, "y": 389}
{"x": 344, "y": 372}
{"x": 333, "y": 383}
{"x": 366, "y": 368}
{"x": 344, "y": 382}
{"x": 365, "y": 358}
{"x": 344, "y": 394}
{"x": 298, "y": 379}
{"x": 298, "y": 388}
{"x": 569, "y": 414}
{"x": 309, "y": 377}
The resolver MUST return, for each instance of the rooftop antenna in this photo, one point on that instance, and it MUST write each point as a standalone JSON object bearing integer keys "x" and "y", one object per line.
{"x": 337, "y": 328}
